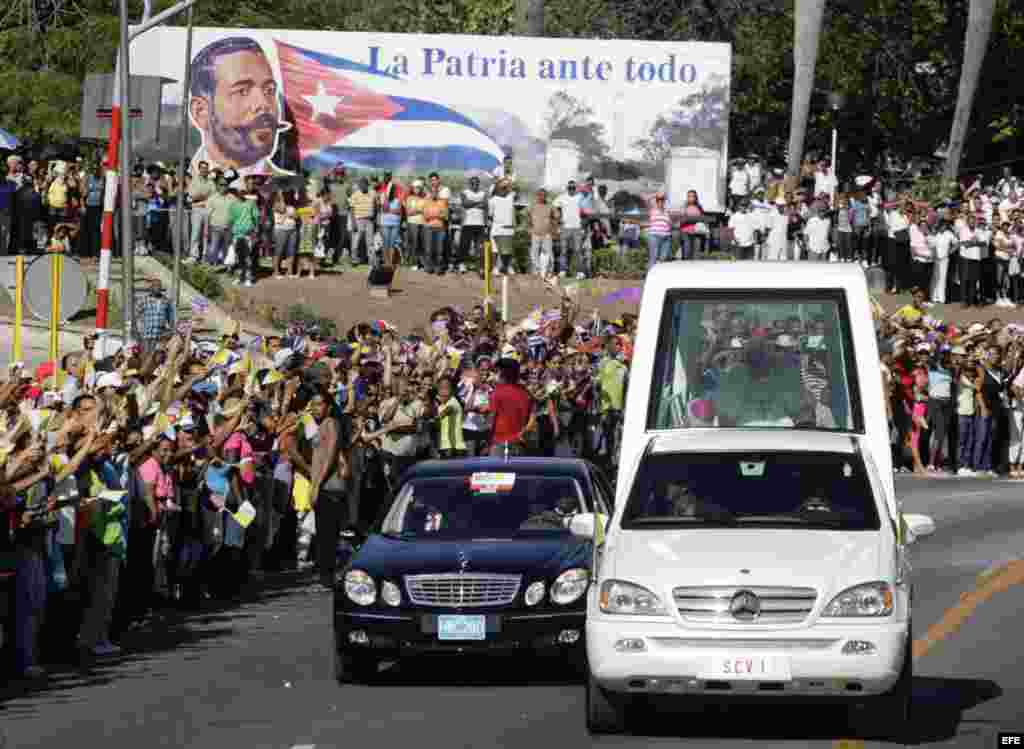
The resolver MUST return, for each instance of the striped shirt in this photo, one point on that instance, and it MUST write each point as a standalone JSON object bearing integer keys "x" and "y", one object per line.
{"x": 362, "y": 204}
{"x": 812, "y": 376}
{"x": 660, "y": 223}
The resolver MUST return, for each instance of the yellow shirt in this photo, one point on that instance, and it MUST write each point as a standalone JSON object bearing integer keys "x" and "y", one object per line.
{"x": 451, "y": 426}
{"x": 909, "y": 313}
{"x": 57, "y": 195}
{"x": 414, "y": 209}
{"x": 362, "y": 204}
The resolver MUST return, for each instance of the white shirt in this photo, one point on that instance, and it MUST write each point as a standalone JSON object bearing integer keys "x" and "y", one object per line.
{"x": 816, "y": 230}
{"x": 503, "y": 213}
{"x": 569, "y": 205}
{"x": 743, "y": 226}
{"x": 972, "y": 251}
{"x": 874, "y": 204}
{"x": 474, "y": 216}
{"x": 942, "y": 243}
{"x": 824, "y": 183}
{"x": 896, "y": 220}
{"x": 754, "y": 174}
{"x": 778, "y": 235}
{"x": 739, "y": 183}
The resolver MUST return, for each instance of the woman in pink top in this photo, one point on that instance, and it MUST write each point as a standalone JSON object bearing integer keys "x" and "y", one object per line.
{"x": 1016, "y": 262}
{"x": 920, "y": 253}
{"x": 918, "y": 417}
{"x": 693, "y": 227}
{"x": 659, "y": 232}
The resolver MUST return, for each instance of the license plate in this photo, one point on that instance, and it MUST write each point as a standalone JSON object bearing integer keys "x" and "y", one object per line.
{"x": 461, "y": 627}
{"x": 753, "y": 667}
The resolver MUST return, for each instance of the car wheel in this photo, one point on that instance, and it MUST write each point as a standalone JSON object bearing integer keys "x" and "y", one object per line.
{"x": 890, "y": 716}
{"x": 606, "y": 712}
{"x": 354, "y": 669}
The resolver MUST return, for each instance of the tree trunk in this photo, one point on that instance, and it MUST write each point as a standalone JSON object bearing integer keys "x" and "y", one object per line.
{"x": 979, "y": 26}
{"x": 530, "y": 17}
{"x": 808, "y": 17}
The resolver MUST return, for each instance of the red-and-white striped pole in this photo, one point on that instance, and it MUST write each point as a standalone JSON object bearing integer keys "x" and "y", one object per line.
{"x": 109, "y": 204}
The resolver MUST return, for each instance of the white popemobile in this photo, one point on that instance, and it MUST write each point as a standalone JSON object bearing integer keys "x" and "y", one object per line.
{"x": 756, "y": 549}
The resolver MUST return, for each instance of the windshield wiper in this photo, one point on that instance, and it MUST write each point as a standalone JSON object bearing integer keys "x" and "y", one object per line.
{"x": 707, "y": 518}
{"x": 801, "y": 519}
{"x": 400, "y": 535}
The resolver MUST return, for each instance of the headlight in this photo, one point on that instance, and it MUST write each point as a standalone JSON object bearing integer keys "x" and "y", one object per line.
{"x": 618, "y": 597}
{"x": 360, "y": 588}
{"x": 569, "y": 586}
{"x": 869, "y": 599}
{"x": 534, "y": 594}
{"x": 390, "y": 593}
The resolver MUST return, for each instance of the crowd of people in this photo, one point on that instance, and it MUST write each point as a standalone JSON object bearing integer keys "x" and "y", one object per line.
{"x": 956, "y": 401}
{"x": 166, "y": 475}
{"x": 169, "y": 473}
{"x": 968, "y": 251}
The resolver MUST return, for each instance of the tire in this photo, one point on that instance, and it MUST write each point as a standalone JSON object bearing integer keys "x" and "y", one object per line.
{"x": 890, "y": 716}
{"x": 606, "y": 712}
{"x": 354, "y": 669}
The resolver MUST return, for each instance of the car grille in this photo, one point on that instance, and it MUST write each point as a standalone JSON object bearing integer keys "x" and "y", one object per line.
{"x": 459, "y": 589}
{"x": 711, "y": 605}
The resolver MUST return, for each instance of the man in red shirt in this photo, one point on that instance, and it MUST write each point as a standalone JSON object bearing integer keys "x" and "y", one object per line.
{"x": 513, "y": 411}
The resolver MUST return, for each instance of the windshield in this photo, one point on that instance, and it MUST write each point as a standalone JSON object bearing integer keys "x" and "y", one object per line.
{"x": 817, "y": 490}
{"x": 755, "y": 359}
{"x": 484, "y": 505}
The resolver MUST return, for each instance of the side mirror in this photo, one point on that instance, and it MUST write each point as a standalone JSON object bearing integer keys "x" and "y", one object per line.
{"x": 582, "y": 525}
{"x": 919, "y": 525}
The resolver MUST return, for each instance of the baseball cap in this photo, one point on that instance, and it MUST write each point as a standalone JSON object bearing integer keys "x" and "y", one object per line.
{"x": 110, "y": 380}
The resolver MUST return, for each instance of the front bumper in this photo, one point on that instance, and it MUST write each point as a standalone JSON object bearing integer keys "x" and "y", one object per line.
{"x": 411, "y": 632}
{"x": 678, "y": 661}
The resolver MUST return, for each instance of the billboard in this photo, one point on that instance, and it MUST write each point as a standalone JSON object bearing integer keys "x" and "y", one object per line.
{"x": 277, "y": 102}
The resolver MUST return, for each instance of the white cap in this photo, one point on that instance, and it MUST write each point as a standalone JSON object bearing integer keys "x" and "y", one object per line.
{"x": 109, "y": 380}
{"x": 281, "y": 357}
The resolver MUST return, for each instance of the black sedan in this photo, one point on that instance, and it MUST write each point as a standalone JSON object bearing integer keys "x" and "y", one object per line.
{"x": 472, "y": 556}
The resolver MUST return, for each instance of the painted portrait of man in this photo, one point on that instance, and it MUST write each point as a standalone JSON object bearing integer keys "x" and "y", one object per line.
{"x": 235, "y": 103}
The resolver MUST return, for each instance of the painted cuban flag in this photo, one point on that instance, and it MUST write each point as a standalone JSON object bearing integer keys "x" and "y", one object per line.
{"x": 345, "y": 111}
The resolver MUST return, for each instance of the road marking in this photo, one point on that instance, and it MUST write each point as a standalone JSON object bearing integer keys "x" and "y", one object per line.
{"x": 304, "y": 746}
{"x": 990, "y": 582}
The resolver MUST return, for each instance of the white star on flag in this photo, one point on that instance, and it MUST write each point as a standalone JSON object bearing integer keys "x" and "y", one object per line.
{"x": 322, "y": 102}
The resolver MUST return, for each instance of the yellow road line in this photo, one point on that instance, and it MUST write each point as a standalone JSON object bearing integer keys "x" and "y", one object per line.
{"x": 989, "y": 584}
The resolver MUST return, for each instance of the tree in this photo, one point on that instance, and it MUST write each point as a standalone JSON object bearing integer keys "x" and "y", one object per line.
{"x": 699, "y": 120}
{"x": 979, "y": 27}
{"x": 807, "y": 24}
{"x": 572, "y": 119}
{"x": 530, "y": 17}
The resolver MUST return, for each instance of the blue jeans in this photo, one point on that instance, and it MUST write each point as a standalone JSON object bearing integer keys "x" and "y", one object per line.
{"x": 983, "y": 426}
{"x": 693, "y": 244}
{"x": 389, "y": 233}
{"x": 29, "y": 605}
{"x": 965, "y": 434}
{"x": 217, "y": 249}
{"x": 659, "y": 248}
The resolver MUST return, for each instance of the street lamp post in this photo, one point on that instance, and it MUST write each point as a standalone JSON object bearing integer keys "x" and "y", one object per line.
{"x": 835, "y": 103}
{"x": 128, "y": 35}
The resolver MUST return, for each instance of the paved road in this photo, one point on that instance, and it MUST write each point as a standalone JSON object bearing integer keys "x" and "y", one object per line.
{"x": 259, "y": 674}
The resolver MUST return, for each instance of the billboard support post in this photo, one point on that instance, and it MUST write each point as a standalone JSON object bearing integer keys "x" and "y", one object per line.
{"x": 123, "y": 124}
{"x": 128, "y": 35}
{"x": 182, "y": 241}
